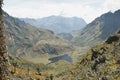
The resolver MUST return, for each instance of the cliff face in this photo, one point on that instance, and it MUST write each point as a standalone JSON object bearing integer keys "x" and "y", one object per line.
{"x": 4, "y": 73}
{"x": 102, "y": 62}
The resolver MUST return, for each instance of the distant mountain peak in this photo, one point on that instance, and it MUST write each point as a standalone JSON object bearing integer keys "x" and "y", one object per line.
{"x": 58, "y": 24}
{"x": 25, "y": 40}
{"x": 117, "y": 11}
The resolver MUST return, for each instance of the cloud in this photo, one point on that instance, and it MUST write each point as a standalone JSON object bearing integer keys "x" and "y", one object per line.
{"x": 87, "y": 9}
{"x": 111, "y": 5}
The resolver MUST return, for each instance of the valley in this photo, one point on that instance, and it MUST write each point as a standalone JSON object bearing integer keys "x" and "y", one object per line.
{"x": 40, "y": 52}
{"x": 27, "y": 41}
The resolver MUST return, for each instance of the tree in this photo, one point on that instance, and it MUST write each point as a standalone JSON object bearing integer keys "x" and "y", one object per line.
{"x": 38, "y": 70}
{"x": 28, "y": 69}
{"x": 51, "y": 76}
{"x": 4, "y": 62}
{"x": 15, "y": 65}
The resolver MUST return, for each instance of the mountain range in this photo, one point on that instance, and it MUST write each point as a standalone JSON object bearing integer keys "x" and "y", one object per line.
{"x": 58, "y": 24}
{"x": 25, "y": 40}
{"x": 86, "y": 34}
{"x": 97, "y": 31}
{"x": 100, "y": 62}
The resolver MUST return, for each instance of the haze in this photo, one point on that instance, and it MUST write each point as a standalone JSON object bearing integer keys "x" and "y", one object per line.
{"x": 86, "y": 9}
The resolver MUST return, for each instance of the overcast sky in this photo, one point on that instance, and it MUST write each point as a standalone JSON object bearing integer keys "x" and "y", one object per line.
{"x": 86, "y": 9}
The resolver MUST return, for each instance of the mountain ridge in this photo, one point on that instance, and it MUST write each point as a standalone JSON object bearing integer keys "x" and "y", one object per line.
{"x": 25, "y": 40}
{"x": 98, "y": 30}
{"x": 57, "y": 24}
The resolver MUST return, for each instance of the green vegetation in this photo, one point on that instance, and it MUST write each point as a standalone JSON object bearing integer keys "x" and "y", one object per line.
{"x": 22, "y": 69}
{"x": 101, "y": 62}
{"x": 14, "y": 63}
{"x": 38, "y": 70}
{"x": 51, "y": 76}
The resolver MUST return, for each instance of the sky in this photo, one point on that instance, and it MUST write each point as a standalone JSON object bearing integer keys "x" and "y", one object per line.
{"x": 86, "y": 9}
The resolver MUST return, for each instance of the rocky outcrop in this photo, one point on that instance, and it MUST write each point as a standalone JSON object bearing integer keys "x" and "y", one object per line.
{"x": 102, "y": 62}
{"x": 4, "y": 62}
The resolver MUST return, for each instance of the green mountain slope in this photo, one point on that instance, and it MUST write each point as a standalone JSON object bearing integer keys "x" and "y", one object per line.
{"x": 102, "y": 62}
{"x": 98, "y": 30}
{"x": 25, "y": 40}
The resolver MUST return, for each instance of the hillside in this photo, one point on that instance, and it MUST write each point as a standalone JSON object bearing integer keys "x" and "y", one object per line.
{"x": 21, "y": 69}
{"x": 58, "y": 24}
{"x": 98, "y": 30}
{"x": 66, "y": 36}
{"x": 102, "y": 62}
{"x": 27, "y": 41}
